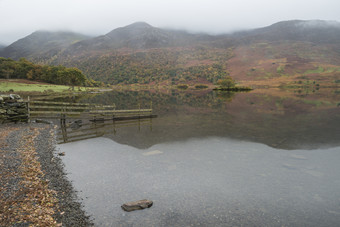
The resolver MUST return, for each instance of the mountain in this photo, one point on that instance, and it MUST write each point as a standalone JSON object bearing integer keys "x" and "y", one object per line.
{"x": 315, "y": 31}
{"x": 137, "y": 36}
{"x": 2, "y": 46}
{"x": 140, "y": 53}
{"x": 41, "y": 44}
{"x": 289, "y": 50}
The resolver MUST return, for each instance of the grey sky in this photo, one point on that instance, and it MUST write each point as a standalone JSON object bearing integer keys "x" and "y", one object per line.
{"x": 19, "y": 18}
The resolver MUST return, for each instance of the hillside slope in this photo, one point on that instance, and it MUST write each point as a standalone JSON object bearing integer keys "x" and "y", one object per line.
{"x": 41, "y": 45}
{"x": 141, "y": 53}
{"x": 315, "y": 31}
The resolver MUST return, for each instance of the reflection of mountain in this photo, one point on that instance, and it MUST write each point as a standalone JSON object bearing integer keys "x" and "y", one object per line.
{"x": 274, "y": 117}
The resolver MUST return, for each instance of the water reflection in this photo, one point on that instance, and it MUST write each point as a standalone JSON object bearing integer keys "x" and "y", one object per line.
{"x": 206, "y": 182}
{"x": 287, "y": 119}
{"x": 198, "y": 165}
{"x": 77, "y": 130}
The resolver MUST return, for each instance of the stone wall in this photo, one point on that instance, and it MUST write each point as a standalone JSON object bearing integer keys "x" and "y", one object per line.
{"x": 13, "y": 109}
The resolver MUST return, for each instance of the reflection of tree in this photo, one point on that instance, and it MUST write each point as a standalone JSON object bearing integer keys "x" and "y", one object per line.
{"x": 196, "y": 114}
{"x": 225, "y": 95}
{"x": 160, "y": 101}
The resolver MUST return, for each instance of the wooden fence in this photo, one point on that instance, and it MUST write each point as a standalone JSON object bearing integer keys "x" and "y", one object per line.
{"x": 94, "y": 112}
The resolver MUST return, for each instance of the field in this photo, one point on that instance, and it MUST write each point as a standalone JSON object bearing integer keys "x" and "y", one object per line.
{"x": 285, "y": 64}
{"x": 31, "y": 86}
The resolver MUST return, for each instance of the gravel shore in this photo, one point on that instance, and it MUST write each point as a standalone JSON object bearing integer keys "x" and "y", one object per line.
{"x": 34, "y": 189}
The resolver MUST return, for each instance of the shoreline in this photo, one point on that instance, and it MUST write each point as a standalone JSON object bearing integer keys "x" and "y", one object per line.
{"x": 34, "y": 186}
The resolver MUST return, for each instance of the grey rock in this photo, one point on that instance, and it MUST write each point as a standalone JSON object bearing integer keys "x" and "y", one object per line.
{"x": 137, "y": 205}
{"x": 76, "y": 124}
{"x": 12, "y": 108}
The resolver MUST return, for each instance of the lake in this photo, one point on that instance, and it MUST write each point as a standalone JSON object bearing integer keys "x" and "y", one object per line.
{"x": 269, "y": 157}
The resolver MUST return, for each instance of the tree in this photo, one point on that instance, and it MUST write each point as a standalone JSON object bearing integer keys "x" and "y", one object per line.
{"x": 7, "y": 68}
{"x": 74, "y": 77}
{"x": 227, "y": 83}
{"x": 7, "y": 72}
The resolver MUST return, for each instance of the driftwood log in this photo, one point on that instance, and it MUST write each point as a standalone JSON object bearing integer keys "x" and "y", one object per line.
{"x": 137, "y": 205}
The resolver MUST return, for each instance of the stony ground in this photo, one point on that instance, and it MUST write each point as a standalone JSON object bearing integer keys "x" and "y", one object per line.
{"x": 34, "y": 190}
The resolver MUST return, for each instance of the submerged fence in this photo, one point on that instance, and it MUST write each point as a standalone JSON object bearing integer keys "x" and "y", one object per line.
{"x": 103, "y": 119}
{"x": 77, "y": 130}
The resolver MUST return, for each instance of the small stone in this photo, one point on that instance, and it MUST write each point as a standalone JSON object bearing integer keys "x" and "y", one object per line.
{"x": 61, "y": 154}
{"x": 137, "y": 205}
{"x": 42, "y": 121}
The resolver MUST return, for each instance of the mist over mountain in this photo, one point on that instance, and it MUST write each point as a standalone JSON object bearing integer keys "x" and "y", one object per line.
{"x": 41, "y": 44}
{"x": 141, "y": 35}
{"x": 137, "y": 36}
{"x": 141, "y": 53}
{"x": 316, "y": 31}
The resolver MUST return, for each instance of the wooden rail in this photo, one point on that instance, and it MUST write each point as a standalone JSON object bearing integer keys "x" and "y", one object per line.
{"x": 83, "y": 110}
{"x": 97, "y": 114}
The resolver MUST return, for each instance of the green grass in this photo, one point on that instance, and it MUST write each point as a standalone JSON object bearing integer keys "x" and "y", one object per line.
{"x": 21, "y": 87}
{"x": 280, "y": 69}
{"x": 318, "y": 103}
{"x": 312, "y": 71}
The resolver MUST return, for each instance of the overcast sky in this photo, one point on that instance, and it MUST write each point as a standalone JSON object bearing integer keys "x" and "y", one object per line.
{"x": 19, "y": 18}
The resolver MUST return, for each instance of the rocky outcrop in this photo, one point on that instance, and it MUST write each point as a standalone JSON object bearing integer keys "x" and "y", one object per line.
{"x": 13, "y": 109}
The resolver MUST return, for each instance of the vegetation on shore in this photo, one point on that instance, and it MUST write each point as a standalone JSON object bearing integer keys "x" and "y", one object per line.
{"x": 176, "y": 65}
{"x": 23, "y": 69}
{"x": 25, "y": 86}
{"x": 229, "y": 84}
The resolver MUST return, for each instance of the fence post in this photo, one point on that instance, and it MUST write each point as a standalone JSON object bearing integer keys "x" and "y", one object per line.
{"x": 139, "y": 110}
{"x": 28, "y": 110}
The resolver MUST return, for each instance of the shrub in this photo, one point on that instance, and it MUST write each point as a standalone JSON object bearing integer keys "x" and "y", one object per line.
{"x": 182, "y": 86}
{"x": 200, "y": 86}
{"x": 227, "y": 83}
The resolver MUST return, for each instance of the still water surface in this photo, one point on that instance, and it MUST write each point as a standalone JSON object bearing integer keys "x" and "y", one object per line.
{"x": 264, "y": 158}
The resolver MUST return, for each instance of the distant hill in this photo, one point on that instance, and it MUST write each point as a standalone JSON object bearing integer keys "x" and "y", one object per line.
{"x": 141, "y": 53}
{"x": 41, "y": 44}
{"x": 316, "y": 31}
{"x": 137, "y": 36}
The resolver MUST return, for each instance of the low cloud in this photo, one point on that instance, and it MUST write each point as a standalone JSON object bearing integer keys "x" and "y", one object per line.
{"x": 101, "y": 16}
